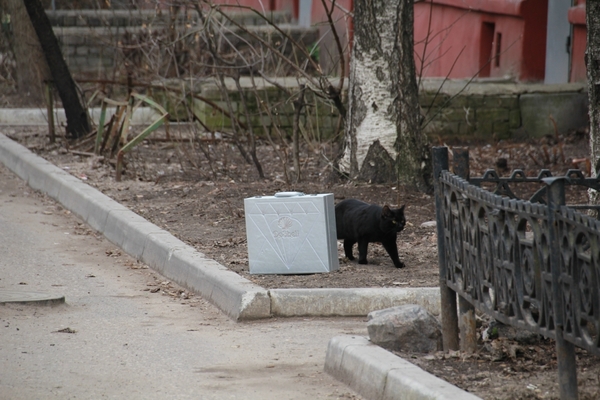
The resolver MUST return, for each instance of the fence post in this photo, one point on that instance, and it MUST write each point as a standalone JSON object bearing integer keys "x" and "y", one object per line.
{"x": 466, "y": 311}
{"x": 50, "y": 108}
{"x": 565, "y": 351}
{"x": 447, "y": 295}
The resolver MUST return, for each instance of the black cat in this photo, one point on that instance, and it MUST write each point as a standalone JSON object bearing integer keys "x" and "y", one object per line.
{"x": 362, "y": 223}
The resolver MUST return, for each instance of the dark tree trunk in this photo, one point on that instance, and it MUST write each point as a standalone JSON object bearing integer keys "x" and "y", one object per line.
{"x": 32, "y": 69}
{"x": 593, "y": 75}
{"x": 77, "y": 121}
{"x": 384, "y": 142}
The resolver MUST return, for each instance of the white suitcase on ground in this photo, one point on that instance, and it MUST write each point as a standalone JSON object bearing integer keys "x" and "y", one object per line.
{"x": 291, "y": 233}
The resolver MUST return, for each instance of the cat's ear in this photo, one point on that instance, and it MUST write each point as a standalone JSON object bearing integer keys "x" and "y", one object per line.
{"x": 386, "y": 212}
{"x": 402, "y": 208}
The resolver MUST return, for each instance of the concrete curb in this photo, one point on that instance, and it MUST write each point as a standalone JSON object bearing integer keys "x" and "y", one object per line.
{"x": 39, "y": 116}
{"x": 236, "y": 296}
{"x": 349, "y": 302}
{"x": 377, "y": 374}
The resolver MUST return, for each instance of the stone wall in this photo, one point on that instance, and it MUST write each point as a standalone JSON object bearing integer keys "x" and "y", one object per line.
{"x": 270, "y": 106}
{"x": 480, "y": 110}
{"x": 486, "y": 109}
{"x": 92, "y": 41}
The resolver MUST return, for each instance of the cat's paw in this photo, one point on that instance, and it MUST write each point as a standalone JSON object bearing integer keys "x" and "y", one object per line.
{"x": 362, "y": 261}
{"x": 399, "y": 264}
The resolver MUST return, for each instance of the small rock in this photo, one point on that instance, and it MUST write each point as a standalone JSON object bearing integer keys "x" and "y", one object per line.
{"x": 409, "y": 328}
{"x": 497, "y": 329}
{"x": 428, "y": 224}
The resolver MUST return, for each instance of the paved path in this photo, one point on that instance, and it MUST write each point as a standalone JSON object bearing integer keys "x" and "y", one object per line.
{"x": 115, "y": 338}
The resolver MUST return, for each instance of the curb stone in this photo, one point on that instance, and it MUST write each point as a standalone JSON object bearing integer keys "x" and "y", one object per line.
{"x": 349, "y": 302}
{"x": 377, "y": 374}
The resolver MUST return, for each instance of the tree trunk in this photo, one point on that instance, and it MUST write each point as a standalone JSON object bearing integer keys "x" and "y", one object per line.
{"x": 593, "y": 75}
{"x": 383, "y": 141}
{"x": 77, "y": 121}
{"x": 32, "y": 69}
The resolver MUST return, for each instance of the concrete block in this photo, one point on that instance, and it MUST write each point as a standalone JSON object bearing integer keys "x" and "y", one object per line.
{"x": 499, "y": 101}
{"x": 514, "y": 119}
{"x": 465, "y": 129}
{"x": 501, "y": 129}
{"x": 457, "y": 115}
{"x": 492, "y": 114}
{"x": 485, "y": 127}
{"x": 457, "y": 102}
{"x": 569, "y": 110}
{"x": 428, "y": 100}
{"x": 349, "y": 302}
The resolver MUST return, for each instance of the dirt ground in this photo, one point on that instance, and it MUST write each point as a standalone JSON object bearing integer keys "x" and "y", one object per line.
{"x": 196, "y": 191}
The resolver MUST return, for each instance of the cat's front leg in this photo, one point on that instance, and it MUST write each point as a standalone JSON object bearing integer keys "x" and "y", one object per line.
{"x": 362, "y": 251}
{"x": 392, "y": 250}
{"x": 348, "y": 249}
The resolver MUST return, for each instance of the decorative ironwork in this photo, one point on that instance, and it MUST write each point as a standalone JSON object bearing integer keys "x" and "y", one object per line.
{"x": 498, "y": 254}
{"x": 532, "y": 264}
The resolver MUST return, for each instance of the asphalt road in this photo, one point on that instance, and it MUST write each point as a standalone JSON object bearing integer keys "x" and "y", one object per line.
{"x": 126, "y": 333}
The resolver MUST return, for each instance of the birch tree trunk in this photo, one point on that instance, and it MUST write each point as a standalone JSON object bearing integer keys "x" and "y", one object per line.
{"x": 383, "y": 140}
{"x": 593, "y": 75}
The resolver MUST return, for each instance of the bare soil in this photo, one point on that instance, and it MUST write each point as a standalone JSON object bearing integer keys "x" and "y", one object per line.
{"x": 195, "y": 190}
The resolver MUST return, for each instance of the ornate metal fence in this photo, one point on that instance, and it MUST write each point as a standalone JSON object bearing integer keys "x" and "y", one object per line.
{"x": 533, "y": 264}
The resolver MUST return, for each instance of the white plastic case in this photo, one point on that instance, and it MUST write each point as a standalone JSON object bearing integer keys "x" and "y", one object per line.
{"x": 291, "y": 233}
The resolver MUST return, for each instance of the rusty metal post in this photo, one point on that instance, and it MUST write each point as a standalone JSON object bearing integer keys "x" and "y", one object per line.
{"x": 565, "y": 351}
{"x": 466, "y": 312}
{"x": 50, "y": 108}
{"x": 447, "y": 295}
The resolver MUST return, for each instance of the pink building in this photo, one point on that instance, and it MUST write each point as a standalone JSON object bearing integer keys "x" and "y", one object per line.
{"x": 464, "y": 38}
{"x": 526, "y": 40}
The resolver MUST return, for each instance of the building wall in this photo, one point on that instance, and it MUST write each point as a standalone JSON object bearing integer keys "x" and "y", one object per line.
{"x": 477, "y": 38}
{"x": 455, "y": 38}
{"x": 577, "y": 20}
